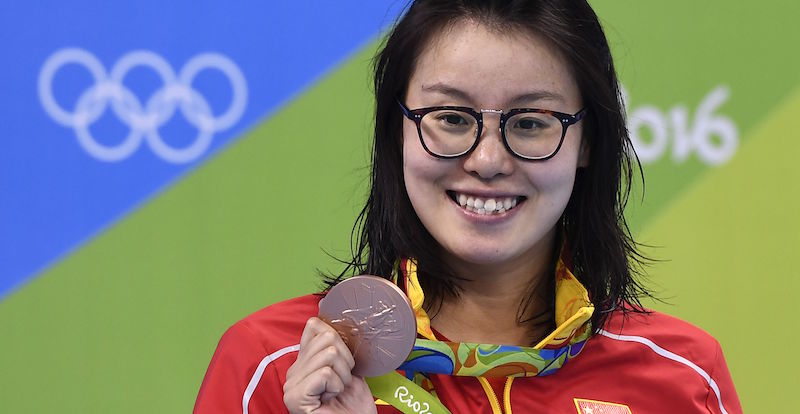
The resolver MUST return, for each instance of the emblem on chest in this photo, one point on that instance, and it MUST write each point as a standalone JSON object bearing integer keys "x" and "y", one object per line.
{"x": 600, "y": 407}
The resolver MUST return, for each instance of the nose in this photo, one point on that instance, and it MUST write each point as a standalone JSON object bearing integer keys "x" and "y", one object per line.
{"x": 490, "y": 158}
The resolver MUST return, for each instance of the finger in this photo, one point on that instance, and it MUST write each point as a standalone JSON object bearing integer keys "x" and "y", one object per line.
{"x": 328, "y": 344}
{"x": 318, "y": 353}
{"x": 307, "y": 395}
{"x": 320, "y": 339}
{"x": 318, "y": 335}
{"x": 357, "y": 390}
{"x": 327, "y": 396}
{"x": 333, "y": 358}
{"x": 327, "y": 357}
{"x": 313, "y": 326}
{"x": 297, "y": 404}
{"x": 323, "y": 382}
{"x": 356, "y": 398}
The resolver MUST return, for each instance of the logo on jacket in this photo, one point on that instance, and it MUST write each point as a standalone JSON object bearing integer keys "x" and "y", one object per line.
{"x": 600, "y": 407}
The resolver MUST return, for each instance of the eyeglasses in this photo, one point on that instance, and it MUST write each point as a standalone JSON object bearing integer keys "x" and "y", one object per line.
{"x": 454, "y": 131}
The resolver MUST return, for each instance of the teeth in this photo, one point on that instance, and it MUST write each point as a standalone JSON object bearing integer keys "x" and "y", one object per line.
{"x": 486, "y": 206}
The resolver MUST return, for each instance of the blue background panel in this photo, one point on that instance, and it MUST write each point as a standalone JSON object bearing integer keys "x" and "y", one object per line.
{"x": 54, "y": 195}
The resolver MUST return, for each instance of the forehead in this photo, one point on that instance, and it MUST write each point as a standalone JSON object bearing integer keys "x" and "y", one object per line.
{"x": 491, "y": 69}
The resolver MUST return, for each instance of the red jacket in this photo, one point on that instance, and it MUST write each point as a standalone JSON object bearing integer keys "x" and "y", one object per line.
{"x": 659, "y": 365}
{"x": 653, "y": 363}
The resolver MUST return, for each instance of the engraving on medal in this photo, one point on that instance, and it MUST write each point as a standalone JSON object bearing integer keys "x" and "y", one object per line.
{"x": 375, "y": 320}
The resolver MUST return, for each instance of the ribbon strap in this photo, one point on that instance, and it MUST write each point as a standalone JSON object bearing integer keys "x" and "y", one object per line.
{"x": 481, "y": 360}
{"x": 405, "y": 395}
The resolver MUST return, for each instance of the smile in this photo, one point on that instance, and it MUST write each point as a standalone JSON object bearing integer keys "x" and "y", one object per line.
{"x": 485, "y": 205}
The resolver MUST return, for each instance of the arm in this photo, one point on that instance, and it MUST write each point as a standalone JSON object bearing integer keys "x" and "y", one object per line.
{"x": 725, "y": 394}
{"x": 233, "y": 367}
{"x": 242, "y": 377}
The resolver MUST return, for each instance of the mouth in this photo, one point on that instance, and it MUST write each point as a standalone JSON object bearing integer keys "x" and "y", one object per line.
{"x": 485, "y": 205}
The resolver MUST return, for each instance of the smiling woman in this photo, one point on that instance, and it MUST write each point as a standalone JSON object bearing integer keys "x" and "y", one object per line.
{"x": 498, "y": 252}
{"x": 500, "y": 173}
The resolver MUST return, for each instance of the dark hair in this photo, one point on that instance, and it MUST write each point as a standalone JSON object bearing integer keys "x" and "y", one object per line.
{"x": 603, "y": 254}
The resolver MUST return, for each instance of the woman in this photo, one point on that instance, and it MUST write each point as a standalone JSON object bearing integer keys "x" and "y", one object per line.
{"x": 501, "y": 168}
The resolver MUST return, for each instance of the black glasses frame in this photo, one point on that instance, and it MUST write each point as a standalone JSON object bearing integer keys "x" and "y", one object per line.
{"x": 565, "y": 119}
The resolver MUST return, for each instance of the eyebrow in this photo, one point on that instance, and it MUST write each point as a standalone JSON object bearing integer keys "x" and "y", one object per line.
{"x": 538, "y": 95}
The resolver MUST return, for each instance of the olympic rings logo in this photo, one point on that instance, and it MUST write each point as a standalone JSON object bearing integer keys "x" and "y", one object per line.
{"x": 143, "y": 120}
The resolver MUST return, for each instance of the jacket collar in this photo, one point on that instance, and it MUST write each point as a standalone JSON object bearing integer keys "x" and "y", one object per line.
{"x": 573, "y": 310}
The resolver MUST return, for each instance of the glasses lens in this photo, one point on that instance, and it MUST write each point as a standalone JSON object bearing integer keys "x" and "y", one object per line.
{"x": 533, "y": 134}
{"x": 448, "y": 132}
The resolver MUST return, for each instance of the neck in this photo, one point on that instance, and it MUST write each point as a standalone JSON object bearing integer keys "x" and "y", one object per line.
{"x": 491, "y": 304}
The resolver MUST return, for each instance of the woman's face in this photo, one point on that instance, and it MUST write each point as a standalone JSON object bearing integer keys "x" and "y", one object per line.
{"x": 470, "y": 65}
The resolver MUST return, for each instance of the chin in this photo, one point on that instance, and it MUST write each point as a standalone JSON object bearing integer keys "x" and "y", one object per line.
{"x": 482, "y": 256}
{"x": 499, "y": 252}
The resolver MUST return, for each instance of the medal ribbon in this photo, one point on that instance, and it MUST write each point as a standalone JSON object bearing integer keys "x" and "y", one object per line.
{"x": 405, "y": 395}
{"x": 481, "y": 360}
{"x": 573, "y": 312}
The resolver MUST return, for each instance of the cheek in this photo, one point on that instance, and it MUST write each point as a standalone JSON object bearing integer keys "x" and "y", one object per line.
{"x": 416, "y": 169}
{"x": 558, "y": 174}
{"x": 554, "y": 180}
{"x": 410, "y": 158}
{"x": 417, "y": 163}
{"x": 407, "y": 149}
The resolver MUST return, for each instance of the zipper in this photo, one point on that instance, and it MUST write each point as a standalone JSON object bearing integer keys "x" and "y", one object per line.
{"x": 493, "y": 401}
{"x": 507, "y": 395}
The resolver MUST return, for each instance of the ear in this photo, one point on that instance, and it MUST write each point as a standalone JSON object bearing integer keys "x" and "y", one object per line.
{"x": 583, "y": 153}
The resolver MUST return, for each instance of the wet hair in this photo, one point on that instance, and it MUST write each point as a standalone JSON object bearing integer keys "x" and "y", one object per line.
{"x": 600, "y": 248}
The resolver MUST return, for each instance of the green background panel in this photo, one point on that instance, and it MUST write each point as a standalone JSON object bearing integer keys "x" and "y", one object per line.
{"x": 730, "y": 241}
{"x": 128, "y": 322}
{"x": 671, "y": 53}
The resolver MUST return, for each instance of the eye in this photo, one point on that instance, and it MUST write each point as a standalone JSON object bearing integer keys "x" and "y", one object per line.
{"x": 531, "y": 125}
{"x": 452, "y": 119}
{"x": 528, "y": 124}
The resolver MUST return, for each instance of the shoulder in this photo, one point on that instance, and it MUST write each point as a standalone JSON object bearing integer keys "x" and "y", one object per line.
{"x": 278, "y": 325}
{"x": 656, "y": 351}
{"x": 662, "y": 335}
{"x": 656, "y": 325}
{"x": 647, "y": 362}
{"x": 249, "y": 365}
{"x": 673, "y": 352}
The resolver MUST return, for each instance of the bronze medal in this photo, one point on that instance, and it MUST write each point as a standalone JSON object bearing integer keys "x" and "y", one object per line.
{"x": 375, "y": 320}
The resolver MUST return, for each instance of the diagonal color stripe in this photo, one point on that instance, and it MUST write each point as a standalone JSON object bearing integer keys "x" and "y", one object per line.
{"x": 728, "y": 245}
{"x": 244, "y": 230}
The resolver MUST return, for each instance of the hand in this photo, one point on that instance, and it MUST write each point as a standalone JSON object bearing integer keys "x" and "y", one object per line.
{"x": 320, "y": 380}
